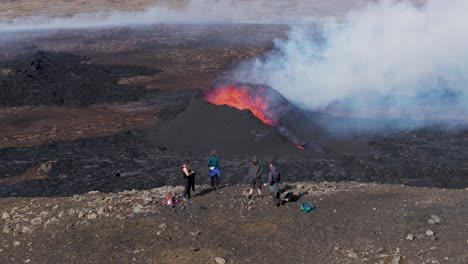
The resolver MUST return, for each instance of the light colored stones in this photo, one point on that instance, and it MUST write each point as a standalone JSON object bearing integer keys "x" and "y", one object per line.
{"x": 43, "y": 214}
{"x": 396, "y": 259}
{"x": 16, "y": 243}
{"x": 36, "y": 221}
{"x": 100, "y": 211}
{"x": 434, "y": 220}
{"x": 430, "y": 233}
{"x": 138, "y": 208}
{"x": 352, "y": 254}
{"x": 6, "y": 215}
{"x": 410, "y": 237}
{"x": 220, "y": 260}
{"x": 26, "y": 230}
{"x": 92, "y": 216}
{"x": 13, "y": 210}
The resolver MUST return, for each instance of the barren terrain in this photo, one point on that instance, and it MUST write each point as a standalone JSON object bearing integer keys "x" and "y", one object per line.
{"x": 22, "y": 8}
{"x": 95, "y": 124}
{"x": 354, "y": 223}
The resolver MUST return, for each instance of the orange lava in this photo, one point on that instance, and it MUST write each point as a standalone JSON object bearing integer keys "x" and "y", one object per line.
{"x": 300, "y": 146}
{"x": 243, "y": 98}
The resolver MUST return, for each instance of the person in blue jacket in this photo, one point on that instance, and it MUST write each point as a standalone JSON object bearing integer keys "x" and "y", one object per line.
{"x": 213, "y": 165}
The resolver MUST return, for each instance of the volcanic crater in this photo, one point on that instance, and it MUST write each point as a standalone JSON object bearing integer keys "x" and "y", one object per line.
{"x": 79, "y": 119}
{"x": 188, "y": 125}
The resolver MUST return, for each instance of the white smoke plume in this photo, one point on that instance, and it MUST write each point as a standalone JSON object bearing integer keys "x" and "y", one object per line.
{"x": 193, "y": 11}
{"x": 391, "y": 58}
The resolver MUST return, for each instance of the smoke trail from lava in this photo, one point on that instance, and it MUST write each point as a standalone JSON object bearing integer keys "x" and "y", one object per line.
{"x": 390, "y": 59}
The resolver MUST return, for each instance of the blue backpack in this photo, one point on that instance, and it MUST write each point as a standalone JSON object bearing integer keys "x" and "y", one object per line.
{"x": 307, "y": 207}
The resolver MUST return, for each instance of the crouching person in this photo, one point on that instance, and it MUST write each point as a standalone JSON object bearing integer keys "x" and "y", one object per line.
{"x": 274, "y": 177}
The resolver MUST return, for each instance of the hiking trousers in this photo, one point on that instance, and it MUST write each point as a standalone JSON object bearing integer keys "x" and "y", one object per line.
{"x": 189, "y": 184}
{"x": 214, "y": 180}
{"x": 274, "y": 189}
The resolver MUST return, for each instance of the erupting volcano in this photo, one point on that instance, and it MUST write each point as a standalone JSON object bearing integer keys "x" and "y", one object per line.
{"x": 245, "y": 97}
{"x": 266, "y": 104}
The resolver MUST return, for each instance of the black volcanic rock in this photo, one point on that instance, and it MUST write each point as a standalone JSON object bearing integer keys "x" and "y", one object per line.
{"x": 48, "y": 78}
{"x": 204, "y": 126}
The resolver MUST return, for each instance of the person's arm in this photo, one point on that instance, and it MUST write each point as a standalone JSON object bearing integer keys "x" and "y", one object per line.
{"x": 187, "y": 172}
{"x": 260, "y": 170}
{"x": 270, "y": 178}
{"x": 209, "y": 162}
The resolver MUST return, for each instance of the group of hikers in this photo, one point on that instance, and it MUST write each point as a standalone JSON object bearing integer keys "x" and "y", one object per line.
{"x": 255, "y": 173}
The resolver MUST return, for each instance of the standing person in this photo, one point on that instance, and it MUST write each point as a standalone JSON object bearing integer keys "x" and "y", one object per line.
{"x": 274, "y": 177}
{"x": 189, "y": 177}
{"x": 213, "y": 164}
{"x": 255, "y": 176}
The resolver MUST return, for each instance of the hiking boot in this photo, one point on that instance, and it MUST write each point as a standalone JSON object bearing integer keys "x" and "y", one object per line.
{"x": 275, "y": 201}
{"x": 278, "y": 202}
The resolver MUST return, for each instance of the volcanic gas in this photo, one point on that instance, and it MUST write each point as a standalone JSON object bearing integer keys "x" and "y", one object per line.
{"x": 244, "y": 97}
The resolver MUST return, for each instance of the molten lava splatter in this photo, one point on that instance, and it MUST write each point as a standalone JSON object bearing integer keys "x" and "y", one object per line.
{"x": 243, "y": 98}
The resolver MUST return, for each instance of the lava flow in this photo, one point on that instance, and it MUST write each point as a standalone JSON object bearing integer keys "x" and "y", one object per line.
{"x": 243, "y": 97}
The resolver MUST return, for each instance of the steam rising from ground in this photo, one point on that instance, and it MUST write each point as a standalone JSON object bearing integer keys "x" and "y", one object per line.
{"x": 388, "y": 59}
{"x": 194, "y": 11}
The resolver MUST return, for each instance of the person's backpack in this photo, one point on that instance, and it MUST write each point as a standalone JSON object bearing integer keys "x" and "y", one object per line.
{"x": 308, "y": 207}
{"x": 289, "y": 197}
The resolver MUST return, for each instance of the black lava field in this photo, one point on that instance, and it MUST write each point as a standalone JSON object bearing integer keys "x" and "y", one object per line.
{"x": 190, "y": 127}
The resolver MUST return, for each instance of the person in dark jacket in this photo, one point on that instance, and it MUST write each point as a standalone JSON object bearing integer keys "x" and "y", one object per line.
{"x": 213, "y": 165}
{"x": 255, "y": 176}
{"x": 274, "y": 177}
{"x": 189, "y": 177}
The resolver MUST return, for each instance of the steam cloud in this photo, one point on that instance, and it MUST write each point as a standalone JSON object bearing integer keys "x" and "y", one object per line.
{"x": 193, "y": 11}
{"x": 388, "y": 59}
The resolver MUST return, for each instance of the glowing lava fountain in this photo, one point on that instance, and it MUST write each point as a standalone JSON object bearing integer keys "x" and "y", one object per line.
{"x": 264, "y": 102}
{"x": 244, "y": 97}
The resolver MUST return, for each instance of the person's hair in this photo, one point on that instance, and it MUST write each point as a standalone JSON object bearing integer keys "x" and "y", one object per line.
{"x": 213, "y": 152}
{"x": 186, "y": 162}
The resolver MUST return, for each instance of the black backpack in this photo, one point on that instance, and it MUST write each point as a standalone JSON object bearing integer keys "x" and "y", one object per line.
{"x": 289, "y": 197}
